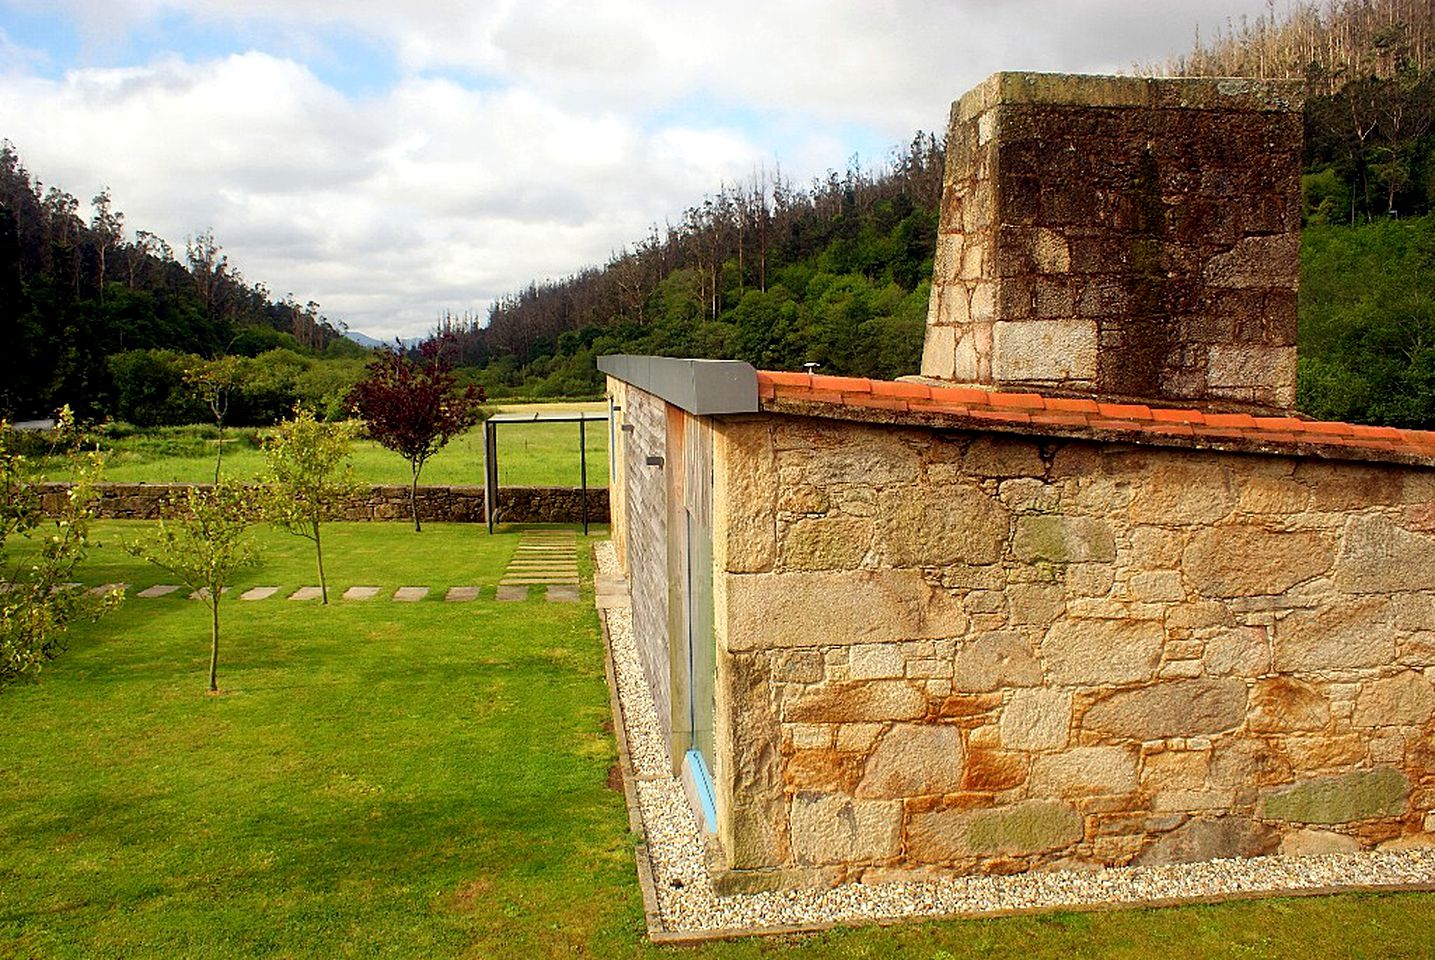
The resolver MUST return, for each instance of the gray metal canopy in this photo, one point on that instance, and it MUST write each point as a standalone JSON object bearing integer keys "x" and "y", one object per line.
{"x": 490, "y": 452}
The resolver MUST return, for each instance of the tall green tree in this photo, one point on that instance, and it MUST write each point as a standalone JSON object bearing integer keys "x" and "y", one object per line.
{"x": 204, "y": 546}
{"x": 308, "y": 475}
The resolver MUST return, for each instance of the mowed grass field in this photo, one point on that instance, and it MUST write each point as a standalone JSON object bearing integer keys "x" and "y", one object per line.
{"x": 529, "y": 455}
{"x": 422, "y": 780}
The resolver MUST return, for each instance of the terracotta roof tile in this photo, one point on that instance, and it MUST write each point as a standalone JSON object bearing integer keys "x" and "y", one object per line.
{"x": 900, "y": 388}
{"x": 1278, "y": 423}
{"x": 1178, "y": 416}
{"x": 1230, "y": 420}
{"x": 1125, "y": 411}
{"x": 783, "y": 378}
{"x": 1025, "y": 401}
{"x": 967, "y": 395}
{"x": 976, "y": 408}
{"x": 1004, "y": 416}
{"x": 846, "y": 384}
{"x": 1072, "y": 405}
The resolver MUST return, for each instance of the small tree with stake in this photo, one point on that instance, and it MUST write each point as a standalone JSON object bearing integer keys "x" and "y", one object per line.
{"x": 414, "y": 407}
{"x": 306, "y": 478}
{"x": 204, "y": 547}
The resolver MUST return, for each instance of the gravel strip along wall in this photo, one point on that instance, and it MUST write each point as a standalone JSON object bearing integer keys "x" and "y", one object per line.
{"x": 454, "y": 504}
{"x": 689, "y": 907}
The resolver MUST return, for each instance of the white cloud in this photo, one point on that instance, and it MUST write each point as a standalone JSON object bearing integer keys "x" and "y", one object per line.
{"x": 587, "y": 122}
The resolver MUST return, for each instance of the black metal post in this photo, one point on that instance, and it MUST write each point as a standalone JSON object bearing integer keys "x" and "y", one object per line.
{"x": 490, "y": 469}
{"x": 583, "y": 465}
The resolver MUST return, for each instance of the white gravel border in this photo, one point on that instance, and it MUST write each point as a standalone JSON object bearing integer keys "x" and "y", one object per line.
{"x": 687, "y": 904}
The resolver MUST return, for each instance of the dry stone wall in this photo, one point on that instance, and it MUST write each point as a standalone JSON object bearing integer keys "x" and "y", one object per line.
{"x": 148, "y": 501}
{"x": 954, "y": 653}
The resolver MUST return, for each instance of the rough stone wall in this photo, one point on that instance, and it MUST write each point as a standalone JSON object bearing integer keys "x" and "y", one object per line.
{"x": 947, "y": 652}
{"x": 1124, "y": 237}
{"x": 147, "y": 501}
{"x": 646, "y": 537}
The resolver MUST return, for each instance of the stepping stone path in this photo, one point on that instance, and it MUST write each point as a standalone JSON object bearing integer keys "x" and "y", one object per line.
{"x": 203, "y": 593}
{"x": 106, "y": 588}
{"x": 547, "y": 558}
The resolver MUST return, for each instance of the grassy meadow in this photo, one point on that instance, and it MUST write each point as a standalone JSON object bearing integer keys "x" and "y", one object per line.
{"x": 420, "y": 780}
{"x": 529, "y": 455}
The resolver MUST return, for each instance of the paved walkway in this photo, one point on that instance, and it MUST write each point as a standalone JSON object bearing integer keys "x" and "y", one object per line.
{"x": 546, "y": 558}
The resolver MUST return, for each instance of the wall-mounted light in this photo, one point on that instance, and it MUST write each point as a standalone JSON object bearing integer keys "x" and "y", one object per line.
{"x": 654, "y": 461}
{"x": 626, "y": 428}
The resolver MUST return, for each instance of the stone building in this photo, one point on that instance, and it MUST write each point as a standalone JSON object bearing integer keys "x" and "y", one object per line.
{"x": 1087, "y": 591}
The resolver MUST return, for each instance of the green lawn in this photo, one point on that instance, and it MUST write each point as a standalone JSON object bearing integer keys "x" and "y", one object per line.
{"x": 415, "y": 780}
{"x": 530, "y": 455}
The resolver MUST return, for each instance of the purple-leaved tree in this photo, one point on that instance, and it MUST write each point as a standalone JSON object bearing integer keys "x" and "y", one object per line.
{"x": 414, "y": 407}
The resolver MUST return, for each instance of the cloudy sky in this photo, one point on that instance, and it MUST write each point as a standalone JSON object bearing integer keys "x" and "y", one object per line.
{"x": 395, "y": 160}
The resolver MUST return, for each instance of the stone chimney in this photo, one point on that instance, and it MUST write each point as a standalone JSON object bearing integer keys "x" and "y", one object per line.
{"x": 1123, "y": 238}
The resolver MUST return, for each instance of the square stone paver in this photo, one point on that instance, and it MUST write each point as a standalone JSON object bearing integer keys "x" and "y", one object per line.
{"x": 562, "y": 578}
{"x": 306, "y": 593}
{"x": 158, "y": 590}
{"x": 258, "y": 593}
{"x": 562, "y": 593}
{"x": 508, "y": 594}
{"x": 361, "y": 593}
{"x": 105, "y": 588}
{"x": 203, "y": 593}
{"x": 410, "y": 594}
{"x": 609, "y": 592}
{"x": 461, "y": 594}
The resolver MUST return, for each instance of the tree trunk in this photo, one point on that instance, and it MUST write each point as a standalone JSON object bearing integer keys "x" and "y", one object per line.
{"x": 219, "y": 452}
{"x": 414, "y": 496}
{"x": 319, "y": 553}
{"x": 213, "y": 640}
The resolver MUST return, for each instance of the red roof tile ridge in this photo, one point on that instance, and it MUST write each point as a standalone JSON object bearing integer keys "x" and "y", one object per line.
{"x": 1082, "y": 415}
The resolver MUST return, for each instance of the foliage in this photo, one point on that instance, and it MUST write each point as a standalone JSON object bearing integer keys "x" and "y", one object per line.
{"x": 74, "y": 294}
{"x": 38, "y": 600}
{"x": 764, "y": 272}
{"x": 204, "y": 547}
{"x": 307, "y": 476}
{"x": 415, "y": 406}
{"x": 1367, "y": 336}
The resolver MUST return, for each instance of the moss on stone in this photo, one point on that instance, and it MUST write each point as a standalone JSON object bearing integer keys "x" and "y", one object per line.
{"x": 1361, "y": 795}
{"x": 1031, "y": 827}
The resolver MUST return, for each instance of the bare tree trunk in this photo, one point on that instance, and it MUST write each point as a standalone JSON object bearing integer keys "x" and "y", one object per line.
{"x": 219, "y": 452}
{"x": 213, "y": 641}
{"x": 319, "y": 553}
{"x": 414, "y": 496}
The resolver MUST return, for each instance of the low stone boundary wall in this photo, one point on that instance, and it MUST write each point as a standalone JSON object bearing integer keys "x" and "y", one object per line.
{"x": 146, "y": 501}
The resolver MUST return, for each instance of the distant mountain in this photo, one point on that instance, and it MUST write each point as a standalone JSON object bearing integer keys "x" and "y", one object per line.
{"x": 364, "y": 340}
